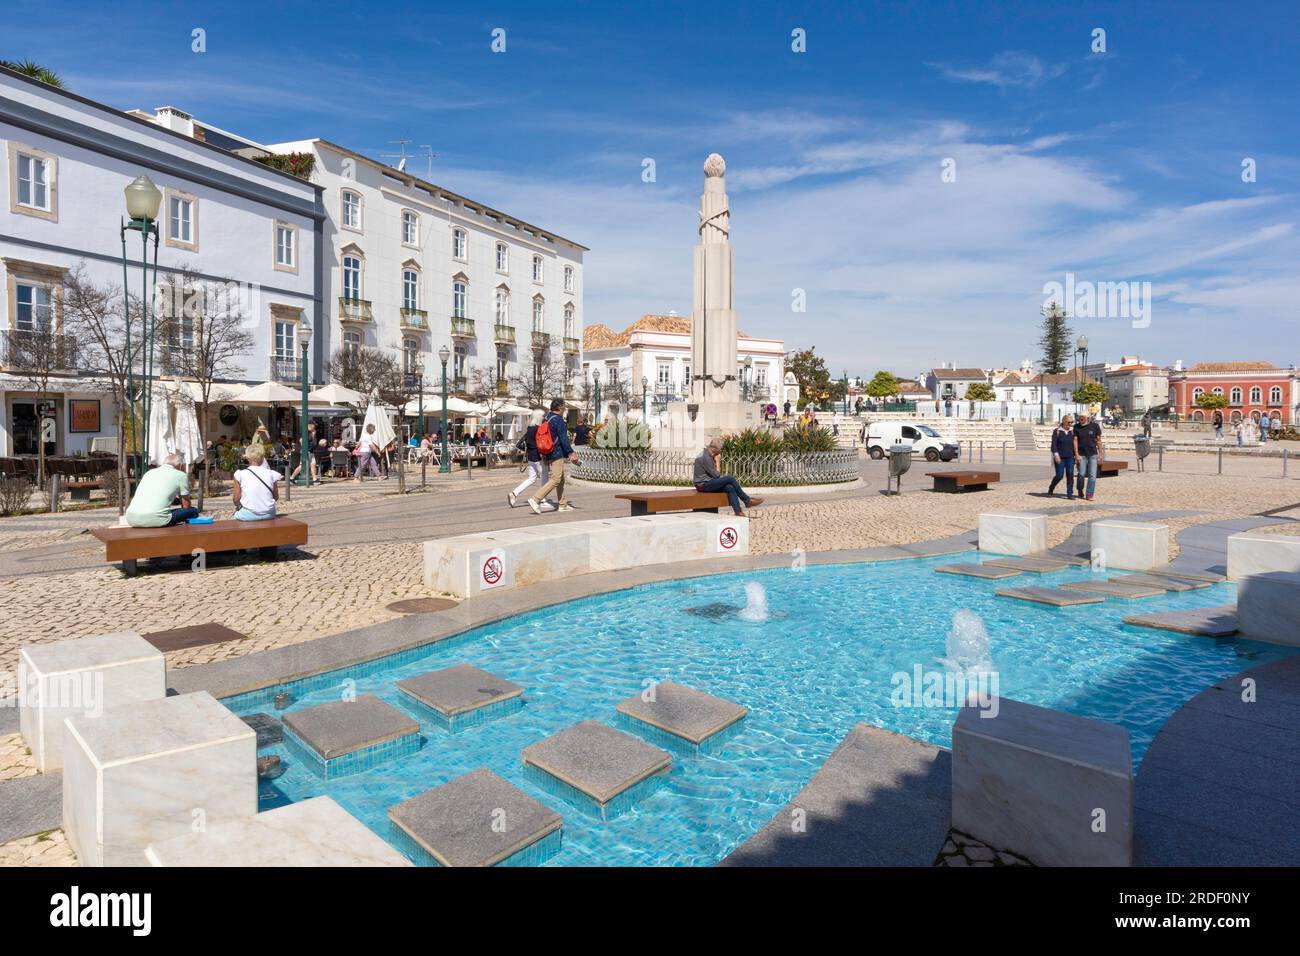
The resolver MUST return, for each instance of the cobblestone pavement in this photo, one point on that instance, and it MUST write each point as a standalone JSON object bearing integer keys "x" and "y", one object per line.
{"x": 962, "y": 850}
{"x": 42, "y": 849}
{"x": 15, "y": 758}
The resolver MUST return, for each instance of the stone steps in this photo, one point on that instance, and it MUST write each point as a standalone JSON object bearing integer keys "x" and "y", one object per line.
{"x": 1055, "y": 597}
{"x": 971, "y": 569}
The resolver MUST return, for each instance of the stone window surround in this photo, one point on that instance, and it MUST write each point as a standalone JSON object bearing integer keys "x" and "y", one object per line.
{"x": 170, "y": 193}
{"x": 352, "y": 249}
{"x": 38, "y": 274}
{"x": 411, "y": 265}
{"x": 402, "y": 220}
{"x": 464, "y": 244}
{"x": 286, "y": 313}
{"x": 539, "y": 270}
{"x": 539, "y": 313}
{"x": 462, "y": 279}
{"x": 51, "y": 182}
{"x": 276, "y": 226}
{"x": 498, "y": 248}
{"x": 360, "y": 227}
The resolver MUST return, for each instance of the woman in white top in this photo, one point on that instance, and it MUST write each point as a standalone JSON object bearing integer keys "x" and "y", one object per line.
{"x": 255, "y": 490}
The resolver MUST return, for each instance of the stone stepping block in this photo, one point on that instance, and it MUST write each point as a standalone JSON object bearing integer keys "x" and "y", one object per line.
{"x": 268, "y": 729}
{"x": 347, "y": 736}
{"x": 1113, "y": 589}
{"x": 478, "y": 819}
{"x": 457, "y": 695}
{"x": 315, "y": 832}
{"x": 1157, "y": 581}
{"x": 1056, "y": 597}
{"x": 1030, "y": 563}
{"x": 972, "y": 570}
{"x": 1218, "y": 621}
{"x": 1186, "y": 575}
{"x": 683, "y": 712}
{"x": 597, "y": 761}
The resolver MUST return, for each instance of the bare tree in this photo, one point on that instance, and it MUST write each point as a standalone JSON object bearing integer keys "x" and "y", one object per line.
{"x": 37, "y": 354}
{"x": 204, "y": 335}
{"x": 540, "y": 379}
{"x": 364, "y": 369}
{"x": 490, "y": 388}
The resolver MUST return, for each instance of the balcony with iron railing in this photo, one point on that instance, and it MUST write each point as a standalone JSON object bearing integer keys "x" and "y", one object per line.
{"x": 35, "y": 349}
{"x": 571, "y": 345}
{"x": 285, "y": 368}
{"x": 503, "y": 389}
{"x": 355, "y": 310}
{"x": 459, "y": 384}
{"x": 503, "y": 334}
{"x": 462, "y": 328}
{"x": 541, "y": 340}
{"x": 415, "y": 320}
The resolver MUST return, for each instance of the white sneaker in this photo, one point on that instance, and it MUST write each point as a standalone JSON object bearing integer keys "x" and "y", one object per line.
{"x": 565, "y": 507}
{"x": 512, "y": 498}
{"x": 532, "y": 503}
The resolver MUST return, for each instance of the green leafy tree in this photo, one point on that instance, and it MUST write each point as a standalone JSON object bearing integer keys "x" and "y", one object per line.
{"x": 810, "y": 372}
{"x": 1209, "y": 401}
{"x": 1055, "y": 340}
{"x": 882, "y": 385}
{"x": 35, "y": 70}
{"x": 980, "y": 392}
{"x": 1091, "y": 393}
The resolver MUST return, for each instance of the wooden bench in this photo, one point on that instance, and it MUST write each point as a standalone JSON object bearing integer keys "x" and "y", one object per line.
{"x": 955, "y": 481}
{"x": 688, "y": 499}
{"x": 1110, "y": 468}
{"x": 129, "y": 545}
{"x": 80, "y": 490}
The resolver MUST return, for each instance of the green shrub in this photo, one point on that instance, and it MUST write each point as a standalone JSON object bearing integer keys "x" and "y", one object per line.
{"x": 803, "y": 440}
{"x": 751, "y": 441}
{"x": 622, "y": 434}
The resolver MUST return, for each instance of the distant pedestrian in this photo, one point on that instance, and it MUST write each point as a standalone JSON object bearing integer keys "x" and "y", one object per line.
{"x": 554, "y": 448}
{"x": 539, "y": 470}
{"x": 1065, "y": 451}
{"x": 367, "y": 452}
{"x": 787, "y": 408}
{"x": 835, "y": 424}
{"x": 581, "y": 432}
{"x": 1218, "y": 425}
{"x": 1275, "y": 425}
{"x": 1241, "y": 432}
{"x": 1090, "y": 448}
{"x": 1263, "y": 431}
{"x": 1146, "y": 423}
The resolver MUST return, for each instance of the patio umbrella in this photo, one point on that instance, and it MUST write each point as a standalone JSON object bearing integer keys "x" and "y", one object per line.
{"x": 433, "y": 406}
{"x": 333, "y": 394}
{"x": 186, "y": 437}
{"x": 268, "y": 393}
{"x": 161, "y": 441}
{"x": 377, "y": 415}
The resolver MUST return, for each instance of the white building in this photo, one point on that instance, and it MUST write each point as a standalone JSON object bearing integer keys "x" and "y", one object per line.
{"x": 413, "y": 267}
{"x": 658, "y": 349}
{"x": 64, "y": 162}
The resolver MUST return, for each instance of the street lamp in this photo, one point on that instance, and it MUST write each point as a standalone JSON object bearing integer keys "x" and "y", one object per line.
{"x": 444, "y": 466}
{"x": 304, "y": 461}
{"x": 748, "y": 376}
{"x": 645, "y": 409}
{"x": 1081, "y": 348}
{"x": 595, "y": 379}
{"x": 142, "y": 201}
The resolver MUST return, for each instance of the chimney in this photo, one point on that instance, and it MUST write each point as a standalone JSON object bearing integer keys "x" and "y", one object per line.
{"x": 1178, "y": 365}
{"x": 178, "y": 121}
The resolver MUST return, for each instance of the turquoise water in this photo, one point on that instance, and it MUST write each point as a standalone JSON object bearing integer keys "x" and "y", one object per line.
{"x": 823, "y": 662}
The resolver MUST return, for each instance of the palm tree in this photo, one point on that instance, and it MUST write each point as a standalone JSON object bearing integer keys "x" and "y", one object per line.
{"x": 33, "y": 69}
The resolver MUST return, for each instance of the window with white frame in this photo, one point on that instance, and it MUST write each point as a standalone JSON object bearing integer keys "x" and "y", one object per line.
{"x": 286, "y": 246}
{"x": 34, "y": 181}
{"x": 181, "y": 226}
{"x": 537, "y": 268}
{"x": 1197, "y": 393}
{"x": 458, "y": 362}
{"x": 1275, "y": 395}
{"x": 351, "y": 277}
{"x": 568, "y": 321}
{"x": 663, "y": 374}
{"x": 34, "y": 307}
{"x": 458, "y": 244}
{"x": 410, "y": 289}
{"x": 352, "y": 339}
{"x": 459, "y": 295}
{"x": 539, "y": 315}
{"x": 503, "y": 257}
{"x": 1256, "y": 395}
{"x": 502, "y": 306}
{"x": 1235, "y": 396}
{"x": 501, "y": 363}
{"x": 410, "y": 228}
{"x": 410, "y": 354}
{"x": 351, "y": 209}
{"x": 1218, "y": 391}
{"x": 286, "y": 338}
{"x": 568, "y": 278}
{"x": 760, "y": 376}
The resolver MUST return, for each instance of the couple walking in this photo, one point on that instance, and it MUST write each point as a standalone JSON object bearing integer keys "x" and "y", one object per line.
{"x": 1076, "y": 446}
{"x": 549, "y": 453}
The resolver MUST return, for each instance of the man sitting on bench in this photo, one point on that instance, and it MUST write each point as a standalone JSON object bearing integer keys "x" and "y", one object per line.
{"x": 708, "y": 477}
{"x": 151, "y": 506}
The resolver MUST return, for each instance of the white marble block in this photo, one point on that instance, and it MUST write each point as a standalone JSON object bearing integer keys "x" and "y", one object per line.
{"x": 1129, "y": 545}
{"x": 143, "y": 772}
{"x": 72, "y": 678}
{"x": 1268, "y": 607}
{"x": 314, "y": 832}
{"x": 1053, "y": 787}
{"x": 1013, "y": 533}
{"x": 472, "y": 564}
{"x": 1261, "y": 553}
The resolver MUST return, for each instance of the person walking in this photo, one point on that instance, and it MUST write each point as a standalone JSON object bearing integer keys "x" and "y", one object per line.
{"x": 1263, "y": 430}
{"x": 708, "y": 477}
{"x": 255, "y": 489}
{"x": 1218, "y": 425}
{"x": 1146, "y": 423}
{"x": 1065, "y": 451}
{"x": 539, "y": 471}
{"x": 786, "y": 409}
{"x": 1241, "y": 432}
{"x": 835, "y": 424}
{"x": 553, "y": 447}
{"x": 1089, "y": 446}
{"x": 581, "y": 431}
{"x": 367, "y": 451}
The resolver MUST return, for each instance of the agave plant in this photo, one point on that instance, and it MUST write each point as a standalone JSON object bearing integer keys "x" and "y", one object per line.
{"x": 35, "y": 70}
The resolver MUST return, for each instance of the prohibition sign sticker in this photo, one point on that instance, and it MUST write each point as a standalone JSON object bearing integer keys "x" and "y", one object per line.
{"x": 493, "y": 571}
{"x": 727, "y": 538}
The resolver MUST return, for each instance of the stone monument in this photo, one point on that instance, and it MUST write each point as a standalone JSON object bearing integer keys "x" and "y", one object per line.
{"x": 714, "y": 406}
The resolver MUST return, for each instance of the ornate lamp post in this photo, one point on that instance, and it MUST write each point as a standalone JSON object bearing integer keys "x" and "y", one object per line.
{"x": 595, "y": 378}
{"x": 1081, "y": 348}
{"x": 444, "y": 353}
{"x": 142, "y": 201}
{"x": 645, "y": 409}
{"x": 304, "y": 453}
{"x": 746, "y": 390}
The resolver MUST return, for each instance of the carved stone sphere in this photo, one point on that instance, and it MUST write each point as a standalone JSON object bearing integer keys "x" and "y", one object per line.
{"x": 715, "y": 167}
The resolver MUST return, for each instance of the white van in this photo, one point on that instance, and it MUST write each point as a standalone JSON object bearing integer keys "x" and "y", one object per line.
{"x": 923, "y": 439}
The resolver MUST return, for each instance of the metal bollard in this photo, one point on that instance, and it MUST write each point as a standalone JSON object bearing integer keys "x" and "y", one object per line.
{"x": 1004, "y": 453}
{"x": 54, "y": 493}
{"x": 1220, "y": 461}
{"x": 1160, "y": 459}
{"x": 1284, "y": 454}
{"x": 981, "y": 453}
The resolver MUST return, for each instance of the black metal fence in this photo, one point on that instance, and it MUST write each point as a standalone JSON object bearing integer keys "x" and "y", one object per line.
{"x": 643, "y": 467}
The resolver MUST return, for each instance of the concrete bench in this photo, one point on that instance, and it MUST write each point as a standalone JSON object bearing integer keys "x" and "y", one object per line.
{"x": 80, "y": 490}
{"x": 471, "y": 564}
{"x": 1053, "y": 787}
{"x": 955, "y": 481}
{"x": 1110, "y": 468}
{"x": 129, "y": 545}
{"x": 655, "y": 502}
{"x": 1268, "y": 607}
{"x": 1019, "y": 534}
{"x": 1261, "y": 553}
{"x": 1129, "y": 545}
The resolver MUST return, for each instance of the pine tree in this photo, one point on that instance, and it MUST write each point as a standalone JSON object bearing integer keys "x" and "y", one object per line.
{"x": 1055, "y": 342}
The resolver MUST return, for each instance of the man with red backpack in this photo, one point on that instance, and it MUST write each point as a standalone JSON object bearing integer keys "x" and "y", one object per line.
{"x": 554, "y": 448}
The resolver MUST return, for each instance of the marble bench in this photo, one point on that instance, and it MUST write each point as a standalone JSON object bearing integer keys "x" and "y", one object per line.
{"x": 313, "y": 832}
{"x": 82, "y": 678}
{"x": 1261, "y": 553}
{"x": 1049, "y": 786}
{"x": 147, "y": 771}
{"x": 1012, "y": 533}
{"x": 471, "y": 564}
{"x": 1129, "y": 545}
{"x": 1268, "y": 607}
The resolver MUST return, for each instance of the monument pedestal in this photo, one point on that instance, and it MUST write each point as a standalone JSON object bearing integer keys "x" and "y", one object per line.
{"x": 711, "y": 418}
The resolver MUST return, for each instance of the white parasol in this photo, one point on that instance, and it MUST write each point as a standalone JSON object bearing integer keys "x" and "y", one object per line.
{"x": 377, "y": 415}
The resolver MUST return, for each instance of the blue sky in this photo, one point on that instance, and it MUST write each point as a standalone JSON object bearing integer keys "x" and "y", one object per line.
{"x": 1117, "y": 167}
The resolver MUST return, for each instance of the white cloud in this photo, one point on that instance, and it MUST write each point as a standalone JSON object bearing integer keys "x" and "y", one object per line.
{"x": 1012, "y": 68}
